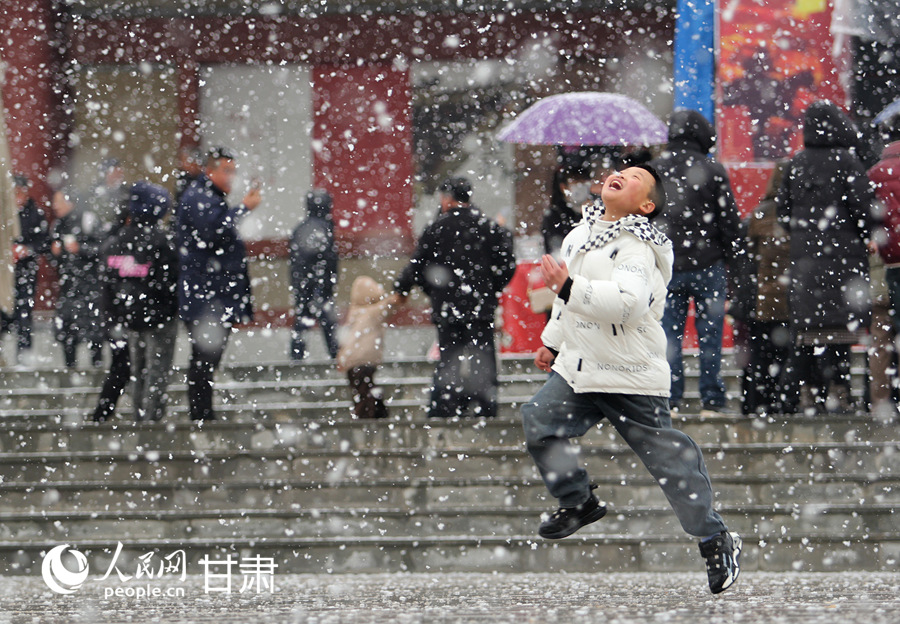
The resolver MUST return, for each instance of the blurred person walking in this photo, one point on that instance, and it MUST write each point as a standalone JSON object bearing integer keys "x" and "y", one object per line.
{"x": 213, "y": 285}
{"x": 74, "y": 248}
{"x": 314, "y": 268}
{"x": 703, "y": 224}
{"x": 32, "y": 243}
{"x": 138, "y": 272}
{"x": 825, "y": 203}
{"x": 463, "y": 261}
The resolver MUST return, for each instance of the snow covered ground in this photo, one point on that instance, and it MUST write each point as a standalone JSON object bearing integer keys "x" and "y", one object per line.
{"x": 759, "y": 597}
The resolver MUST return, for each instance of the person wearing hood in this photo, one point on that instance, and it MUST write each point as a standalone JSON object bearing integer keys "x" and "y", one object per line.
{"x": 314, "y": 269}
{"x": 362, "y": 348}
{"x": 213, "y": 283}
{"x": 825, "y": 203}
{"x": 138, "y": 272}
{"x": 704, "y": 226}
{"x": 604, "y": 351}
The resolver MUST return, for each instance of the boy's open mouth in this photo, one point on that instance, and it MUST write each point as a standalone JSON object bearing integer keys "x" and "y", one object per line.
{"x": 615, "y": 184}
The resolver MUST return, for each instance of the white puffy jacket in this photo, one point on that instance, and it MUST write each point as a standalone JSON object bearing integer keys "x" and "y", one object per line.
{"x": 608, "y": 334}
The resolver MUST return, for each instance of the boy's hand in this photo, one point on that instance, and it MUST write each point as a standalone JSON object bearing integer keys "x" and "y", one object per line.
{"x": 554, "y": 273}
{"x": 544, "y": 358}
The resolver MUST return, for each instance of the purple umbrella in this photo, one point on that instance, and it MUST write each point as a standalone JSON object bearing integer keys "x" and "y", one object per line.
{"x": 588, "y": 118}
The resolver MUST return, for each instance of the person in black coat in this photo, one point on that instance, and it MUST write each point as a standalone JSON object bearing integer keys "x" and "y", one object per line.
{"x": 314, "y": 266}
{"x": 33, "y": 242}
{"x": 74, "y": 248}
{"x": 825, "y": 203}
{"x": 213, "y": 283}
{"x": 138, "y": 272}
{"x": 703, "y": 224}
{"x": 463, "y": 261}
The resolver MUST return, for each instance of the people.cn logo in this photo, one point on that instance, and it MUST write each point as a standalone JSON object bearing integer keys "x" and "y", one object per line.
{"x": 58, "y": 577}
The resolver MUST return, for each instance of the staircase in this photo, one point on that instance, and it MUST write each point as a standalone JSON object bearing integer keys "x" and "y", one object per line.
{"x": 288, "y": 474}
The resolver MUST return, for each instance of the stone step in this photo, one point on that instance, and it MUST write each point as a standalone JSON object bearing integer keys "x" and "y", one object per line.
{"x": 349, "y": 433}
{"x": 474, "y": 553}
{"x": 789, "y": 459}
{"x": 766, "y": 522}
{"x": 280, "y": 386}
{"x": 79, "y": 410}
{"x": 249, "y": 392}
{"x": 490, "y": 491}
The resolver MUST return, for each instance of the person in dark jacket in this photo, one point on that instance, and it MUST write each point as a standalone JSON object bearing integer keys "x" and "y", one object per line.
{"x": 703, "y": 224}
{"x": 213, "y": 283}
{"x": 825, "y": 203}
{"x": 138, "y": 272}
{"x": 33, "y": 242}
{"x": 314, "y": 266}
{"x": 74, "y": 249}
{"x": 463, "y": 261}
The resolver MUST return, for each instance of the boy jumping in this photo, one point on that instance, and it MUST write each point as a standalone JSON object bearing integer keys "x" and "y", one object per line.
{"x": 605, "y": 350}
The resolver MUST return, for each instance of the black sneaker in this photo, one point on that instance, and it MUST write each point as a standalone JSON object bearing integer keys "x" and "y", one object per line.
{"x": 722, "y": 554}
{"x": 566, "y": 520}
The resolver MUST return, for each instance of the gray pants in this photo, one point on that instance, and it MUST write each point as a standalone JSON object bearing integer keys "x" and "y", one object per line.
{"x": 152, "y": 352}
{"x": 557, "y": 413}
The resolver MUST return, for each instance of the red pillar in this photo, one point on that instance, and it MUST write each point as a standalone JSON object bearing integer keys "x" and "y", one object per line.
{"x": 188, "y": 103}
{"x": 33, "y": 88}
{"x": 362, "y": 145}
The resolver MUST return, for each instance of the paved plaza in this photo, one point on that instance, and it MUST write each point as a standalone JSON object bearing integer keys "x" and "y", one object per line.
{"x": 760, "y": 597}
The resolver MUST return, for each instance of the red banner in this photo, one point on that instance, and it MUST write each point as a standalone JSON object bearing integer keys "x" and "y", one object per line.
{"x": 775, "y": 58}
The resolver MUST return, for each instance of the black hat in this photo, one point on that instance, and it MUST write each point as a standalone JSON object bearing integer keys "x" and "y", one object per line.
{"x": 458, "y": 188}
{"x": 219, "y": 152}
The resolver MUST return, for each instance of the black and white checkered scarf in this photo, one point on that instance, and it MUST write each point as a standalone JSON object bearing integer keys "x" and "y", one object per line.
{"x": 637, "y": 225}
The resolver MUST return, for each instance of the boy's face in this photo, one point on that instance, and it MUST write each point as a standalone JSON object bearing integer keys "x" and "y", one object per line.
{"x": 627, "y": 192}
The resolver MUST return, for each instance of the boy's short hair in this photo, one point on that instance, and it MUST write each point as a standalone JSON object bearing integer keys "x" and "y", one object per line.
{"x": 657, "y": 193}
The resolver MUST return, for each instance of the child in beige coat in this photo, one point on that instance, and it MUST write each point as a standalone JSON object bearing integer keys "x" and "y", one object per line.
{"x": 362, "y": 347}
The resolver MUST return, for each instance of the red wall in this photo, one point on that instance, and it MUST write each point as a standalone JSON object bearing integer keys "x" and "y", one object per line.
{"x": 32, "y": 90}
{"x": 362, "y": 143}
